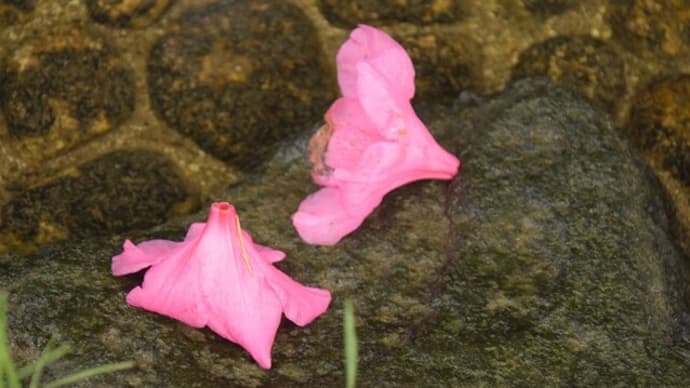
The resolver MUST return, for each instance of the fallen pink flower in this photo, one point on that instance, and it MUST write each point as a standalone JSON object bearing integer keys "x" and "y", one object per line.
{"x": 372, "y": 143}
{"x": 218, "y": 277}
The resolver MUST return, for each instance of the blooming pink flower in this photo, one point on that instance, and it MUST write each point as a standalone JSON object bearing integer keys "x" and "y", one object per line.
{"x": 218, "y": 277}
{"x": 372, "y": 143}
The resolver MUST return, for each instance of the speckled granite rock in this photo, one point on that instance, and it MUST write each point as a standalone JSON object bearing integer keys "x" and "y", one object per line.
{"x": 548, "y": 262}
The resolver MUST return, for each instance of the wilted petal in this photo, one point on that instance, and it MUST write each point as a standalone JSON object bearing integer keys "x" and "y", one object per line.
{"x": 385, "y": 55}
{"x": 373, "y": 141}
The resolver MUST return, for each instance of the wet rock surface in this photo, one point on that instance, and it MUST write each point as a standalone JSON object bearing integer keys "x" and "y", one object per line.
{"x": 547, "y": 262}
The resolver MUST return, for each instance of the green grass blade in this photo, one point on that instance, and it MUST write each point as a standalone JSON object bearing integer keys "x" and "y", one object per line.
{"x": 49, "y": 357}
{"x": 7, "y": 368}
{"x": 85, "y": 374}
{"x": 350, "y": 345}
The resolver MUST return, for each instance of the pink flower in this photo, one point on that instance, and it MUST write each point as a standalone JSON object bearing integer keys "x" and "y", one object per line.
{"x": 372, "y": 143}
{"x": 218, "y": 277}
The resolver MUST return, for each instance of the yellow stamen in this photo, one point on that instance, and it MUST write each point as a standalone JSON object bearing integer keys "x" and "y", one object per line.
{"x": 242, "y": 246}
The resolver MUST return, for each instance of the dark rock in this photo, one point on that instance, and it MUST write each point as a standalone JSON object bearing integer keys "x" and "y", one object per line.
{"x": 546, "y": 263}
{"x": 11, "y": 11}
{"x": 561, "y": 271}
{"x": 348, "y": 14}
{"x": 24, "y": 5}
{"x": 445, "y": 63}
{"x": 60, "y": 89}
{"x": 127, "y": 13}
{"x": 239, "y": 76}
{"x": 659, "y": 125}
{"x": 546, "y": 8}
{"x": 652, "y": 28}
{"x": 120, "y": 191}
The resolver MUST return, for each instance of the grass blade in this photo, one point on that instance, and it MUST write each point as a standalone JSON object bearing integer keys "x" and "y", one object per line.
{"x": 85, "y": 374}
{"x": 350, "y": 345}
{"x": 7, "y": 368}
{"x": 49, "y": 357}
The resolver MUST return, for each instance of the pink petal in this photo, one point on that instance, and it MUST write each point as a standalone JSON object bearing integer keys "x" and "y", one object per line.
{"x": 300, "y": 304}
{"x": 377, "y": 163}
{"x": 240, "y": 306}
{"x": 135, "y": 258}
{"x": 194, "y": 230}
{"x": 269, "y": 254}
{"x": 352, "y": 133}
{"x": 172, "y": 288}
{"x": 382, "y": 105}
{"x": 386, "y": 56}
{"x": 147, "y": 253}
{"x": 218, "y": 277}
{"x": 322, "y": 218}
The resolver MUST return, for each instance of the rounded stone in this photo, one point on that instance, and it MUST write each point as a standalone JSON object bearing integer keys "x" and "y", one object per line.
{"x": 12, "y": 11}
{"x": 127, "y": 13}
{"x": 66, "y": 87}
{"x": 444, "y": 65}
{"x": 586, "y": 63}
{"x": 659, "y": 125}
{"x": 347, "y": 14}
{"x": 120, "y": 191}
{"x": 546, "y": 8}
{"x": 238, "y": 76}
{"x": 655, "y": 27}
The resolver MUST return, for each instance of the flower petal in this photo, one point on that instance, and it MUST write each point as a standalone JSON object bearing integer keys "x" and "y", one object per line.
{"x": 147, "y": 253}
{"x": 300, "y": 304}
{"x": 352, "y": 133}
{"x": 386, "y": 55}
{"x": 194, "y": 230}
{"x": 137, "y": 257}
{"x": 218, "y": 277}
{"x": 383, "y": 106}
{"x": 269, "y": 254}
{"x": 322, "y": 218}
{"x": 172, "y": 288}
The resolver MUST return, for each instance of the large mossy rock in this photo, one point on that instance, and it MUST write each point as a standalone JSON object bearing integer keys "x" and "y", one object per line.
{"x": 548, "y": 262}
